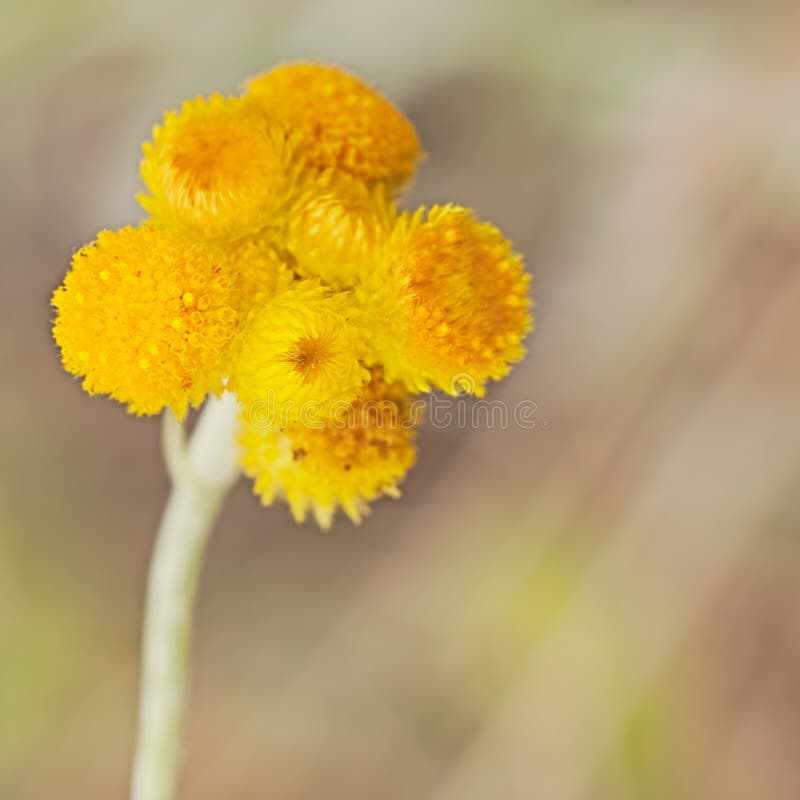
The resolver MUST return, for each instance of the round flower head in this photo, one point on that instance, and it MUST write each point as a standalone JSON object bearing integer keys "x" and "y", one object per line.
{"x": 339, "y": 121}
{"x": 335, "y": 226}
{"x": 447, "y": 306}
{"x": 146, "y": 316}
{"x": 300, "y": 355}
{"x": 216, "y": 168}
{"x": 346, "y": 463}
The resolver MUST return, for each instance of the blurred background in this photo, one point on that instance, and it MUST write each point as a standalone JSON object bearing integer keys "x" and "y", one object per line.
{"x": 603, "y": 607}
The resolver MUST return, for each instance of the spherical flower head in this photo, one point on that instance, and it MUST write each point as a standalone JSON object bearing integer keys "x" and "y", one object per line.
{"x": 448, "y": 304}
{"x": 345, "y": 463}
{"x": 340, "y": 122}
{"x": 335, "y": 227}
{"x": 147, "y": 317}
{"x": 216, "y": 168}
{"x": 300, "y": 354}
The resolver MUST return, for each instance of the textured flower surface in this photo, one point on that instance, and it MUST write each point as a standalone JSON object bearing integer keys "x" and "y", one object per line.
{"x": 263, "y": 271}
{"x": 216, "y": 168}
{"x": 274, "y": 264}
{"x": 301, "y": 354}
{"x": 339, "y": 121}
{"x": 336, "y": 226}
{"x": 447, "y": 302}
{"x": 345, "y": 462}
{"x": 147, "y": 317}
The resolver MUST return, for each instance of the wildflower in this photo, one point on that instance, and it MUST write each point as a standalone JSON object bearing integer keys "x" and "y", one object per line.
{"x": 146, "y": 316}
{"x": 276, "y": 265}
{"x": 339, "y": 121}
{"x": 216, "y": 168}
{"x": 447, "y": 304}
{"x": 301, "y": 354}
{"x": 346, "y": 463}
{"x": 276, "y": 272}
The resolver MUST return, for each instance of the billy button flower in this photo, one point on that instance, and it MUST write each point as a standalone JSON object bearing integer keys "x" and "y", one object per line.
{"x": 339, "y": 121}
{"x": 147, "y": 316}
{"x": 345, "y": 463}
{"x": 301, "y": 354}
{"x": 446, "y": 304}
{"x": 275, "y": 258}
{"x": 217, "y": 169}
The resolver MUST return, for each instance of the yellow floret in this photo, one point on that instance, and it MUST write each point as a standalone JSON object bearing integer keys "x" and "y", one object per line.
{"x": 335, "y": 227}
{"x": 147, "y": 317}
{"x": 347, "y": 463}
{"x": 339, "y": 121}
{"x": 448, "y": 305}
{"x": 300, "y": 355}
{"x": 262, "y": 269}
{"x": 217, "y": 168}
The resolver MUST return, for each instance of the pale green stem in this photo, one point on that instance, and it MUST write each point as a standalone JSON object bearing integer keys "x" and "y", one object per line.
{"x": 202, "y": 474}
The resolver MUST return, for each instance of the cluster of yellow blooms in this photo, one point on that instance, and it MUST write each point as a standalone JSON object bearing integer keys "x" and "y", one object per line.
{"x": 275, "y": 264}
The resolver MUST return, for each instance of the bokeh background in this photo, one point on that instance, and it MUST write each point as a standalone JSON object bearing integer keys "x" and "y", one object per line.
{"x": 604, "y": 607}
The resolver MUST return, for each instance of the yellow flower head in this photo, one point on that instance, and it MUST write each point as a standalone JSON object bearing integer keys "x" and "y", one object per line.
{"x": 146, "y": 316}
{"x": 300, "y": 355}
{"x": 276, "y": 265}
{"x": 335, "y": 227}
{"x": 263, "y": 272}
{"x": 339, "y": 121}
{"x": 448, "y": 305}
{"x": 345, "y": 463}
{"x": 216, "y": 168}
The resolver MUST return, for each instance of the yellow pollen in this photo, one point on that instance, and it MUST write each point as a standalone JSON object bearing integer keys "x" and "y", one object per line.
{"x": 308, "y": 355}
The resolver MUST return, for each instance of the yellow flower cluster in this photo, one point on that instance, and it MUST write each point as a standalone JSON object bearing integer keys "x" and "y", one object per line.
{"x": 275, "y": 263}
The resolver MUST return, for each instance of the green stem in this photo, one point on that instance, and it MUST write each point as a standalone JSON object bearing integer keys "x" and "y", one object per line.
{"x": 202, "y": 474}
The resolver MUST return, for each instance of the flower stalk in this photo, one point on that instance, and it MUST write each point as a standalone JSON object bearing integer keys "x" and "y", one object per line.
{"x": 202, "y": 474}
